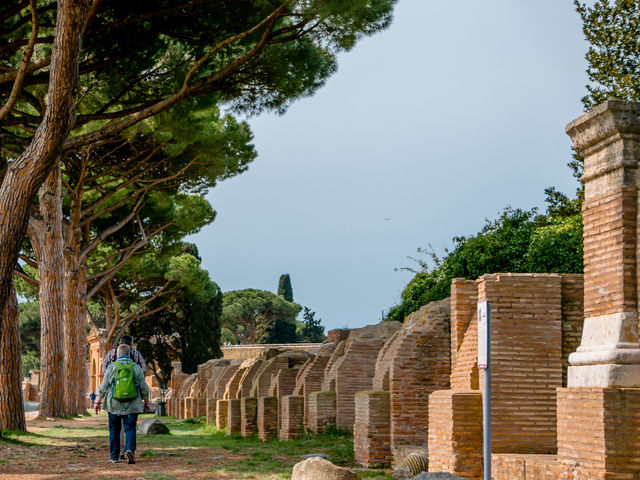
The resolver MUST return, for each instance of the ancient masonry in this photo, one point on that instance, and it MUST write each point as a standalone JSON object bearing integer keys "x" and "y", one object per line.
{"x": 565, "y": 357}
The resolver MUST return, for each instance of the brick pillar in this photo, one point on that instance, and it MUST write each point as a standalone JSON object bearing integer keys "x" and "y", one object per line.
{"x": 598, "y": 432}
{"x": 189, "y": 410}
{"x": 181, "y": 408}
{"x": 222, "y": 414}
{"x": 201, "y": 407}
{"x": 598, "y": 418}
{"x": 211, "y": 411}
{"x": 292, "y": 417}
{"x": 372, "y": 431}
{"x": 267, "y": 418}
{"x": 455, "y": 433}
{"x": 248, "y": 416}
{"x": 322, "y": 411}
{"x": 608, "y": 138}
{"x": 233, "y": 416}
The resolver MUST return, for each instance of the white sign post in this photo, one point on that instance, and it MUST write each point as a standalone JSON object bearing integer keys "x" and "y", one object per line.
{"x": 484, "y": 362}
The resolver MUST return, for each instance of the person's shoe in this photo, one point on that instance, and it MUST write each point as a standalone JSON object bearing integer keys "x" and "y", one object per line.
{"x": 122, "y": 455}
{"x": 130, "y": 457}
{"x": 111, "y": 460}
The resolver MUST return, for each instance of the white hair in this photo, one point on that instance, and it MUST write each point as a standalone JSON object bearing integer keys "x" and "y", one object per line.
{"x": 123, "y": 350}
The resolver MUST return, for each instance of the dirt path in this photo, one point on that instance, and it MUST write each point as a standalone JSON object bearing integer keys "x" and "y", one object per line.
{"x": 86, "y": 456}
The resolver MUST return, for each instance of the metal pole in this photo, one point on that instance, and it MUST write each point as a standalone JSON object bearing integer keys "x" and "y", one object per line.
{"x": 486, "y": 405}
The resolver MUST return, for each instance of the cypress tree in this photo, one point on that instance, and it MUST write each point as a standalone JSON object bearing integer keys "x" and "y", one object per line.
{"x": 285, "y": 289}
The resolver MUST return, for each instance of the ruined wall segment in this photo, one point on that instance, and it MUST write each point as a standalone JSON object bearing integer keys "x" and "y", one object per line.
{"x": 354, "y": 370}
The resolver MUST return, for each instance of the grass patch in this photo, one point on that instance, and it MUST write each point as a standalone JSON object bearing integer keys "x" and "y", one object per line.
{"x": 158, "y": 476}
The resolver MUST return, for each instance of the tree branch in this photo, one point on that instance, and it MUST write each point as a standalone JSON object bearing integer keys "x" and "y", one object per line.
{"x": 26, "y": 58}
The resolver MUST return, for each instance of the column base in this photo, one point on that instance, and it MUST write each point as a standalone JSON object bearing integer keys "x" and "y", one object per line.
{"x": 604, "y": 376}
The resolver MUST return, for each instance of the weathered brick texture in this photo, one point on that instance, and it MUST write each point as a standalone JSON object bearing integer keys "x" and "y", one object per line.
{"x": 413, "y": 363}
{"x": 353, "y": 372}
{"x": 526, "y": 349}
{"x": 599, "y": 430}
{"x": 311, "y": 375}
{"x": 322, "y": 411}
{"x": 222, "y": 414}
{"x": 248, "y": 416}
{"x": 211, "y": 411}
{"x": 233, "y": 416}
{"x": 372, "y": 433}
{"x": 455, "y": 433}
{"x": 572, "y": 318}
{"x": 292, "y": 412}
{"x": 267, "y": 418}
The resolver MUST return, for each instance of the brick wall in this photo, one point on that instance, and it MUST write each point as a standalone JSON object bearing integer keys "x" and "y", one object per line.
{"x": 233, "y": 416}
{"x": 599, "y": 430}
{"x": 248, "y": 416}
{"x": 353, "y": 372}
{"x": 267, "y": 418}
{"x": 322, "y": 411}
{"x": 413, "y": 363}
{"x": 372, "y": 432}
{"x": 244, "y": 388}
{"x": 572, "y": 318}
{"x": 610, "y": 235}
{"x": 526, "y": 343}
{"x": 211, "y": 410}
{"x": 233, "y": 385}
{"x": 464, "y": 298}
{"x": 455, "y": 433}
{"x": 245, "y": 352}
{"x": 292, "y": 412}
{"x": 222, "y": 414}
{"x": 311, "y": 375}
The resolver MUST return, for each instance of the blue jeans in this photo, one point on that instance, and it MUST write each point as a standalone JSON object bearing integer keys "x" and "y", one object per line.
{"x": 116, "y": 422}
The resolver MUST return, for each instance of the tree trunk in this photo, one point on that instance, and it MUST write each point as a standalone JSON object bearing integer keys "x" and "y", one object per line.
{"x": 25, "y": 175}
{"x": 45, "y": 232}
{"x": 11, "y": 402}
{"x": 75, "y": 322}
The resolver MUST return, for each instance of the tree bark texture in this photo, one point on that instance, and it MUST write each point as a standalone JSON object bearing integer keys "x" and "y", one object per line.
{"x": 75, "y": 323}
{"x": 11, "y": 402}
{"x": 26, "y": 174}
{"x": 45, "y": 232}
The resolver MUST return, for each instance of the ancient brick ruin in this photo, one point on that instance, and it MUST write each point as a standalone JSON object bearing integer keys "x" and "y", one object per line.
{"x": 565, "y": 357}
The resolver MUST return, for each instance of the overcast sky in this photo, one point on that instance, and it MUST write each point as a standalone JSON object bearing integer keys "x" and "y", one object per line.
{"x": 427, "y": 129}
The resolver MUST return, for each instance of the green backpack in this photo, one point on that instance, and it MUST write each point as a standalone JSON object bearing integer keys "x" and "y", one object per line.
{"x": 124, "y": 386}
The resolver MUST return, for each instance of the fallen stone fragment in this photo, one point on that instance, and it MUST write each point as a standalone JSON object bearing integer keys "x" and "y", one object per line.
{"x": 152, "y": 426}
{"x": 316, "y": 468}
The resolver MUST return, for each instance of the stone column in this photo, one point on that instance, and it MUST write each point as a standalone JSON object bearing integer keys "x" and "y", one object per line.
{"x": 608, "y": 138}
{"x": 599, "y": 411}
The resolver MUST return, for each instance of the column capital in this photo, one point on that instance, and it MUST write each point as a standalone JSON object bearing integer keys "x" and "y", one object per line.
{"x": 609, "y": 120}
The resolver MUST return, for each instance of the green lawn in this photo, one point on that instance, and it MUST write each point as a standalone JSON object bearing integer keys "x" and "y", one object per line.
{"x": 247, "y": 457}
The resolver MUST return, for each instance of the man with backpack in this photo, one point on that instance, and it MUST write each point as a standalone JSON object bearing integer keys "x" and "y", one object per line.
{"x": 110, "y": 357}
{"x": 125, "y": 393}
{"x": 136, "y": 356}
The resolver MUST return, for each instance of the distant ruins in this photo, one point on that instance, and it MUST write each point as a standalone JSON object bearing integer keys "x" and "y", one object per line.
{"x": 565, "y": 356}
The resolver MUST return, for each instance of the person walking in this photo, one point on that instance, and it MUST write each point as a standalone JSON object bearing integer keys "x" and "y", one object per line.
{"x": 110, "y": 357}
{"x": 136, "y": 356}
{"x": 125, "y": 393}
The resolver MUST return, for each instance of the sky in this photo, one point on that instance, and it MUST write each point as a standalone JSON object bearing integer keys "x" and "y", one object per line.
{"x": 427, "y": 129}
